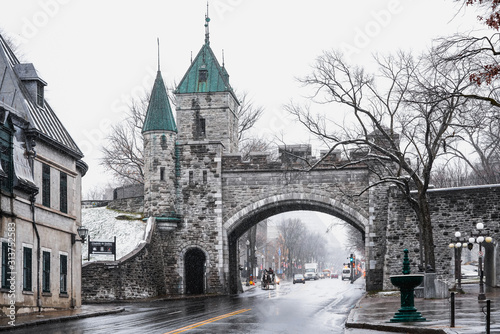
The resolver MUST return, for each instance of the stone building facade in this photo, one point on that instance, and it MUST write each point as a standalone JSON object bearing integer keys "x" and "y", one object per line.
{"x": 40, "y": 176}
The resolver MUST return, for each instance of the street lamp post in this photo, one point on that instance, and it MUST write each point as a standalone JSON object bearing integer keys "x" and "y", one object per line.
{"x": 255, "y": 263}
{"x": 458, "y": 244}
{"x": 478, "y": 237}
{"x": 262, "y": 266}
{"x": 249, "y": 266}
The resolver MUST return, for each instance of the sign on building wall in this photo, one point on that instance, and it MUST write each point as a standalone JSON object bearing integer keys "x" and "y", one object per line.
{"x": 102, "y": 247}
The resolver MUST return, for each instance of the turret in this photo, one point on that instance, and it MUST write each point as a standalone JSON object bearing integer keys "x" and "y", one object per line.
{"x": 160, "y": 134}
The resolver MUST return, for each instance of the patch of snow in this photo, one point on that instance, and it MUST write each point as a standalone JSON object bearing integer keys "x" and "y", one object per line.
{"x": 103, "y": 226}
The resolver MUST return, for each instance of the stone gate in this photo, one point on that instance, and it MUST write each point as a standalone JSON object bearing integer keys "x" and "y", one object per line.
{"x": 200, "y": 197}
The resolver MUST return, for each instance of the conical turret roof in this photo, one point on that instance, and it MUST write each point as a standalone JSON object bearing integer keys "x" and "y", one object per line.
{"x": 159, "y": 115}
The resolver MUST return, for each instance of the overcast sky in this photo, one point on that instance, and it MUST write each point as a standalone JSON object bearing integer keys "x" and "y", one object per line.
{"x": 98, "y": 55}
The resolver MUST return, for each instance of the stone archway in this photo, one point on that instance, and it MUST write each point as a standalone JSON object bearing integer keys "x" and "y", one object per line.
{"x": 194, "y": 271}
{"x": 256, "y": 212}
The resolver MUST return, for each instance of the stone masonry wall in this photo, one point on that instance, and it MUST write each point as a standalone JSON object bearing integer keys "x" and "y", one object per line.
{"x": 134, "y": 204}
{"x": 219, "y": 113}
{"x": 159, "y": 173}
{"x": 258, "y": 188}
{"x": 453, "y": 209}
{"x": 201, "y": 227}
{"x": 135, "y": 276}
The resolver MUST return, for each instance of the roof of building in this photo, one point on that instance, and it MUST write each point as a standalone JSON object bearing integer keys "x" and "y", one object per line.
{"x": 159, "y": 115}
{"x": 205, "y": 73}
{"x": 15, "y": 96}
{"x": 217, "y": 79}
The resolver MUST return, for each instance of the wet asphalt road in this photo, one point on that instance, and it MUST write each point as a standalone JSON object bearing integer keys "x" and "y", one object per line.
{"x": 315, "y": 307}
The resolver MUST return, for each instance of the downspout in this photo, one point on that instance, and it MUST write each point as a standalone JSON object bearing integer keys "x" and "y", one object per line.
{"x": 38, "y": 250}
{"x": 73, "y": 237}
{"x": 31, "y": 154}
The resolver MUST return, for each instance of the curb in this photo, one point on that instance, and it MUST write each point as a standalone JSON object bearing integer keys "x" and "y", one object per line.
{"x": 386, "y": 328}
{"x": 394, "y": 329}
{"x": 61, "y": 319}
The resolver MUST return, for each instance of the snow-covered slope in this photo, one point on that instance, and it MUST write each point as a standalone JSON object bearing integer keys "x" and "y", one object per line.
{"x": 103, "y": 226}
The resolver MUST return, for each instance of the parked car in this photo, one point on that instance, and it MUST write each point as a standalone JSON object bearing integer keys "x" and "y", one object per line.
{"x": 299, "y": 278}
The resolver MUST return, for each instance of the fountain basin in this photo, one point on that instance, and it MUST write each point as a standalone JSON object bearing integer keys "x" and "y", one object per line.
{"x": 407, "y": 281}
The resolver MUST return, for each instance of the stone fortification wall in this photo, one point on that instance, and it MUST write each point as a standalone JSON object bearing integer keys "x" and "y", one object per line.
{"x": 135, "y": 276}
{"x": 452, "y": 209}
{"x": 132, "y": 190}
{"x": 133, "y": 204}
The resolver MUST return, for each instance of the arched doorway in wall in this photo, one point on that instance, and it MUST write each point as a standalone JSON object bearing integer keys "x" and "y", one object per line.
{"x": 242, "y": 221}
{"x": 194, "y": 271}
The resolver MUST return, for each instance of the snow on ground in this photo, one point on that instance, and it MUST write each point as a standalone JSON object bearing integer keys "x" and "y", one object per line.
{"x": 103, "y": 226}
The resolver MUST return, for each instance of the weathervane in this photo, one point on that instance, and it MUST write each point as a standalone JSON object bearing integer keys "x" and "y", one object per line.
{"x": 207, "y": 20}
{"x": 158, "y": 40}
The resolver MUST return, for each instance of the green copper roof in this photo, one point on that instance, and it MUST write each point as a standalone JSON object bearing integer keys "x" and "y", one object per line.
{"x": 159, "y": 115}
{"x": 205, "y": 74}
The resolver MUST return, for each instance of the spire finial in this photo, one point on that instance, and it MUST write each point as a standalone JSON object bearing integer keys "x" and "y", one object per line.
{"x": 158, "y": 41}
{"x": 207, "y": 20}
{"x": 222, "y": 57}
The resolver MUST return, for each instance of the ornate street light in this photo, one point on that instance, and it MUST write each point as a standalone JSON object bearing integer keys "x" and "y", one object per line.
{"x": 458, "y": 244}
{"x": 479, "y": 237}
{"x": 82, "y": 233}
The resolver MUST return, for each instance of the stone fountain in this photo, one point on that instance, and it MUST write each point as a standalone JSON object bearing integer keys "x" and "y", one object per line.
{"x": 406, "y": 284}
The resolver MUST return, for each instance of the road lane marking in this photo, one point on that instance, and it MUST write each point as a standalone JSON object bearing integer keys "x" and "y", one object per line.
{"x": 205, "y": 322}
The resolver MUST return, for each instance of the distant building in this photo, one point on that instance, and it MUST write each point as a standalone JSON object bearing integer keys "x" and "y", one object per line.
{"x": 40, "y": 179}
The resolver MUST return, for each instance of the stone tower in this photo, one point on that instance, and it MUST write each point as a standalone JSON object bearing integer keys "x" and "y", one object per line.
{"x": 206, "y": 104}
{"x": 183, "y": 173}
{"x": 159, "y": 134}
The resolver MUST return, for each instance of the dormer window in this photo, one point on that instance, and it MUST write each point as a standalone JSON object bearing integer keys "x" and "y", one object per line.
{"x": 39, "y": 93}
{"x": 32, "y": 81}
{"x": 202, "y": 79}
{"x": 203, "y": 75}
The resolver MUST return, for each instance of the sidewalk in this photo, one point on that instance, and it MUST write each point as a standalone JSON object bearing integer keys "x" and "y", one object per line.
{"x": 85, "y": 311}
{"x": 374, "y": 312}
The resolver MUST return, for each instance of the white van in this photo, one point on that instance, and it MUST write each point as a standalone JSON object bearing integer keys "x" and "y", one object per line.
{"x": 346, "y": 273}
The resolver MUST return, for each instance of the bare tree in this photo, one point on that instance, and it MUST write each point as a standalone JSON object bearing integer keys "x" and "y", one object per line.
{"x": 479, "y": 50}
{"x": 291, "y": 230}
{"x": 401, "y": 118}
{"x": 254, "y": 144}
{"x": 481, "y": 131}
{"x": 248, "y": 115}
{"x": 12, "y": 45}
{"x": 123, "y": 152}
{"x": 353, "y": 239}
{"x": 454, "y": 173}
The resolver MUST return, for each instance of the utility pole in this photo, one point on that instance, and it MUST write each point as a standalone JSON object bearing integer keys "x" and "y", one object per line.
{"x": 351, "y": 264}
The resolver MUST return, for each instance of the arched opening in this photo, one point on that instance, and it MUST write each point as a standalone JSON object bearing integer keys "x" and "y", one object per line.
{"x": 245, "y": 219}
{"x": 194, "y": 271}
